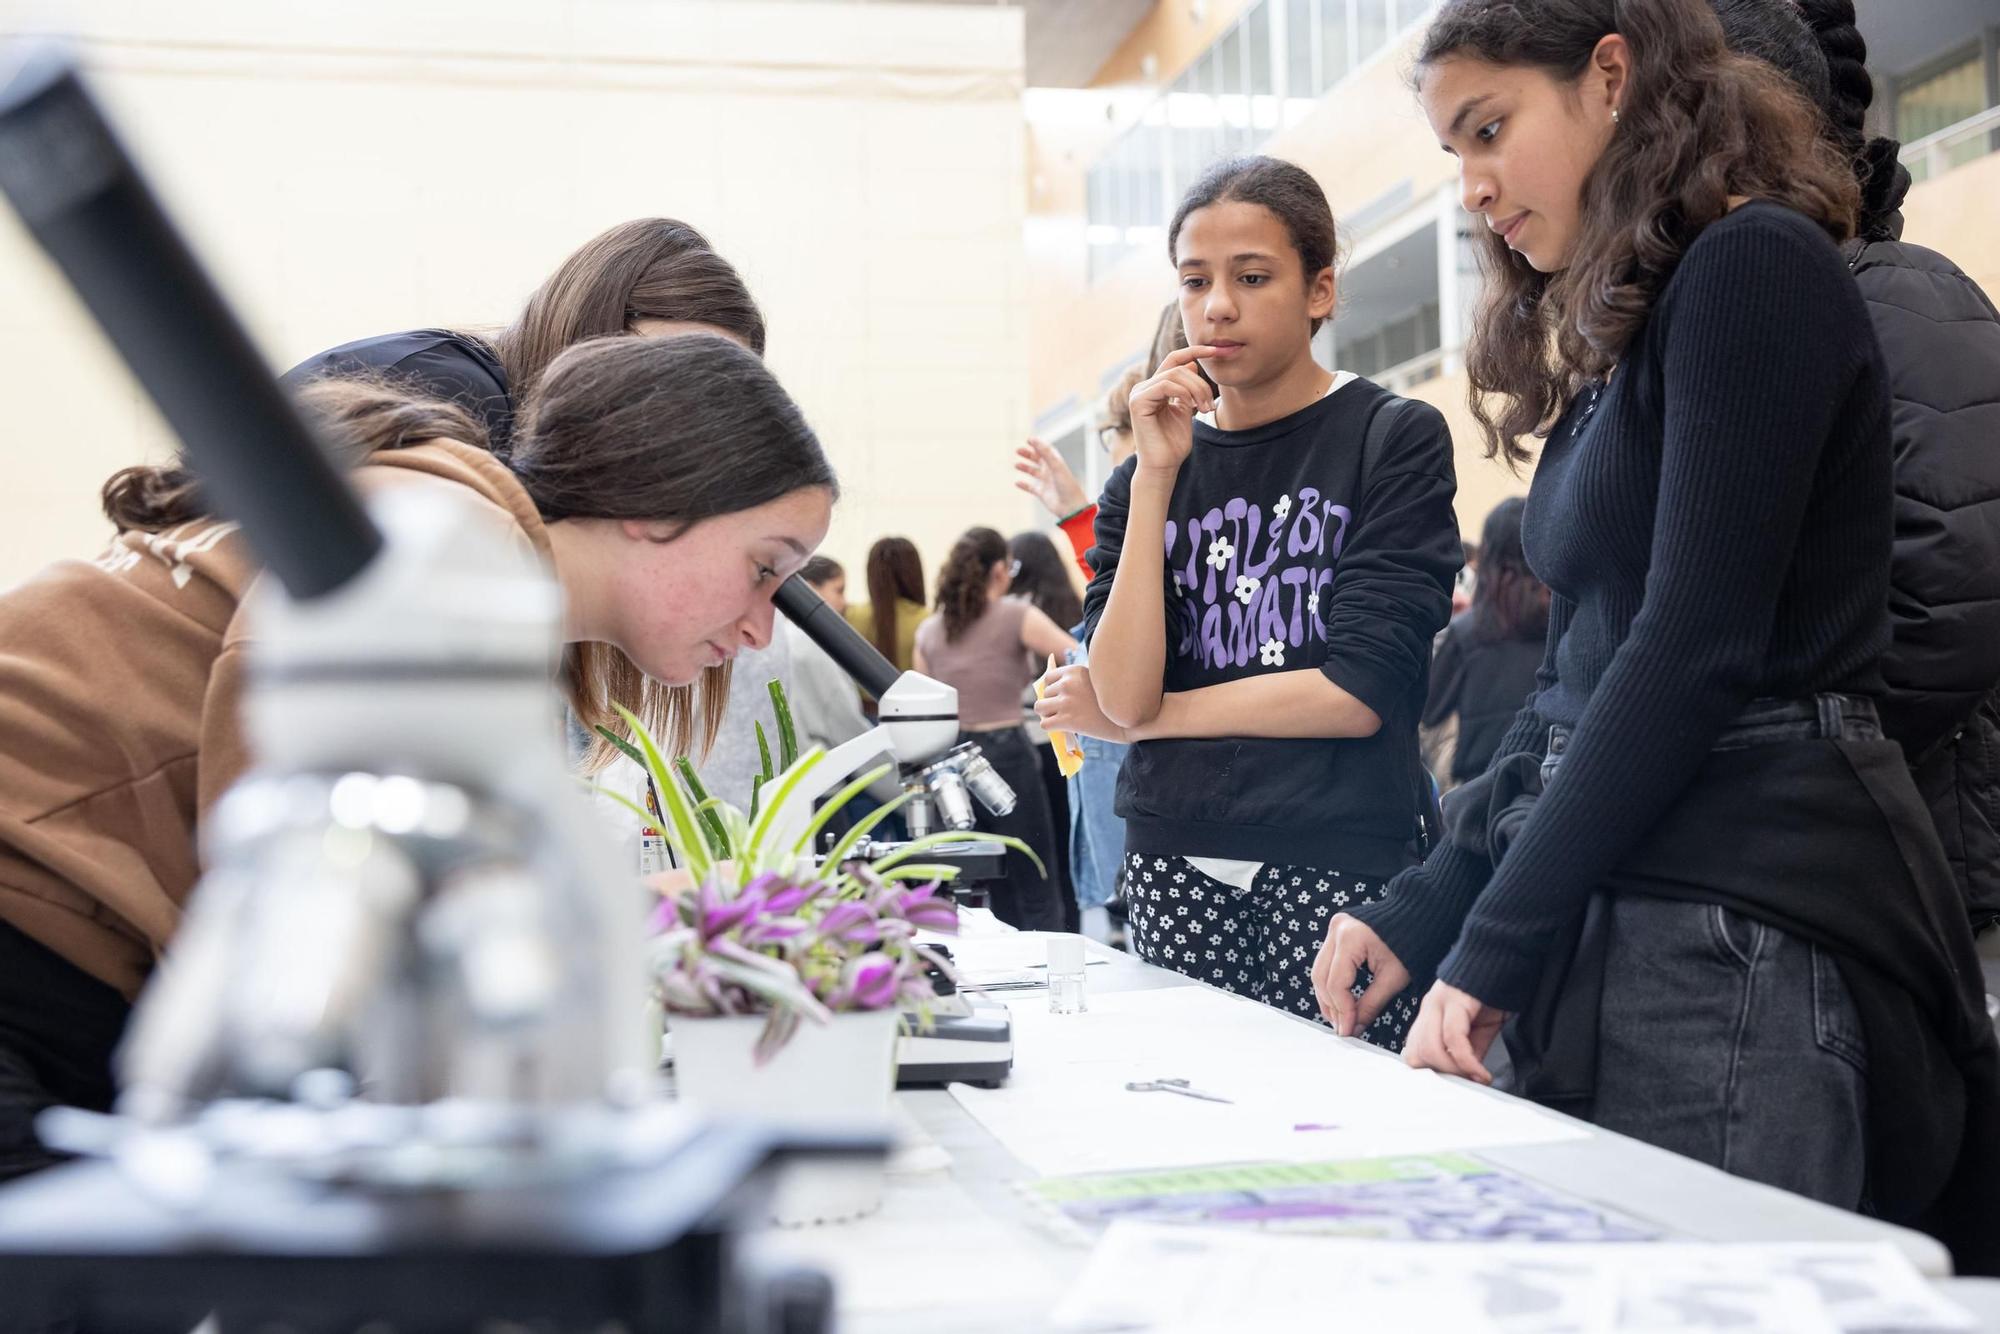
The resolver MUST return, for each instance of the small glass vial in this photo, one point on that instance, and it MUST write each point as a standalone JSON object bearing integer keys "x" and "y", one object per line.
{"x": 1066, "y": 970}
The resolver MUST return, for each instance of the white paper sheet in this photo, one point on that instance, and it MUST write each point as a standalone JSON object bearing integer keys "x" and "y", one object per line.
{"x": 1157, "y": 1278}
{"x": 1296, "y": 1093}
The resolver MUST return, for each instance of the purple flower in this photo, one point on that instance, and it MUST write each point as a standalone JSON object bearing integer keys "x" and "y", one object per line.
{"x": 666, "y": 915}
{"x": 788, "y": 899}
{"x": 921, "y": 907}
{"x": 853, "y": 923}
{"x": 868, "y": 983}
{"x": 720, "y": 915}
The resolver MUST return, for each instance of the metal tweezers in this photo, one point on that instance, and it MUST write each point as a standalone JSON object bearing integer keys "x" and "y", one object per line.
{"x": 1179, "y": 1086}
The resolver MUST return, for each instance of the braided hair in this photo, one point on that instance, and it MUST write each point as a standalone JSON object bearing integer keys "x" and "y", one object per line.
{"x": 1817, "y": 45}
{"x": 1884, "y": 179}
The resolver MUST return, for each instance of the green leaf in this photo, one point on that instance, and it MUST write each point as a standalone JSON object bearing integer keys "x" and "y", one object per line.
{"x": 680, "y": 831}
{"x": 765, "y": 772}
{"x": 862, "y": 828}
{"x": 833, "y": 805}
{"x": 711, "y": 828}
{"x": 925, "y": 844}
{"x": 760, "y": 827}
{"x": 632, "y": 752}
{"x": 788, "y": 735}
{"x": 738, "y": 827}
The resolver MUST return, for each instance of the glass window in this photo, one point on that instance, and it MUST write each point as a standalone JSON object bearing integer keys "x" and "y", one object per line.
{"x": 1371, "y": 26}
{"x": 1185, "y": 111}
{"x": 1298, "y": 61}
{"x": 1941, "y": 100}
{"x": 1208, "y": 76}
{"x": 1117, "y": 213}
{"x": 1412, "y": 11}
{"x": 1147, "y": 146}
{"x": 1334, "y": 30}
{"x": 1158, "y": 163}
{"x": 1401, "y": 338}
{"x": 1131, "y": 155}
{"x": 1258, "y": 28}
{"x": 1263, "y": 89}
{"x": 1235, "y": 101}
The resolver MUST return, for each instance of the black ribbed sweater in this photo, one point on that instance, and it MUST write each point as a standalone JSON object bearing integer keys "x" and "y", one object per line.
{"x": 1715, "y": 526}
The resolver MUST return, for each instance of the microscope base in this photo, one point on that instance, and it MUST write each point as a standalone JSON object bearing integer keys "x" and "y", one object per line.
{"x": 645, "y": 1245}
{"x": 971, "y": 1042}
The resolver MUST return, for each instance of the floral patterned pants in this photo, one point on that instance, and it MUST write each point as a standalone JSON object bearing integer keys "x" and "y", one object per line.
{"x": 1258, "y": 942}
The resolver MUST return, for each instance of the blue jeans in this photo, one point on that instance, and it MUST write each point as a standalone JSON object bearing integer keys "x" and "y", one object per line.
{"x": 1733, "y": 1043}
{"x": 1096, "y": 836}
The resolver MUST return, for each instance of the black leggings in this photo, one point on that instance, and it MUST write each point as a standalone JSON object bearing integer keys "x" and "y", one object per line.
{"x": 58, "y": 1027}
{"x": 1056, "y": 788}
{"x": 1023, "y": 897}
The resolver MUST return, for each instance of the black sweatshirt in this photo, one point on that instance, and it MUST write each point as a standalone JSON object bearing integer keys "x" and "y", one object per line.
{"x": 437, "y": 361}
{"x": 1276, "y": 561}
{"x": 1716, "y": 530}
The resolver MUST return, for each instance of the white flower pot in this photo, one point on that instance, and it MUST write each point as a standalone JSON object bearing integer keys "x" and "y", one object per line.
{"x": 835, "y": 1076}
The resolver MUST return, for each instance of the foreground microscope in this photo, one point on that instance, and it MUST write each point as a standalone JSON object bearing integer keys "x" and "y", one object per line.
{"x": 409, "y": 894}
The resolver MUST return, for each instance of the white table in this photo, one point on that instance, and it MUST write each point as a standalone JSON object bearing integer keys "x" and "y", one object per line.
{"x": 955, "y": 1248}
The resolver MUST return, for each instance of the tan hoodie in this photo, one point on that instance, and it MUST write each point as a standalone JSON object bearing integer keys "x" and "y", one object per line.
{"x": 120, "y": 680}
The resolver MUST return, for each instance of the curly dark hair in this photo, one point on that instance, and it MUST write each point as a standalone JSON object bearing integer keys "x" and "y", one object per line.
{"x": 1701, "y": 125}
{"x": 961, "y": 585}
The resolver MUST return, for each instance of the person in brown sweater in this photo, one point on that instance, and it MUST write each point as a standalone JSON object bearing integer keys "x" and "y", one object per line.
{"x": 670, "y": 484}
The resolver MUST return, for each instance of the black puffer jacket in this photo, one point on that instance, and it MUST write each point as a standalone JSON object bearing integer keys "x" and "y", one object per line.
{"x": 1941, "y": 337}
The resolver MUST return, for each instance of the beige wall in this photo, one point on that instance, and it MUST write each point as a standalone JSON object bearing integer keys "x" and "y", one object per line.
{"x": 1958, "y": 215}
{"x": 368, "y": 166}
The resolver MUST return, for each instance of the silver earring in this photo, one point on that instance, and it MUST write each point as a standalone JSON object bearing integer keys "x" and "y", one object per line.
{"x": 1614, "y": 115}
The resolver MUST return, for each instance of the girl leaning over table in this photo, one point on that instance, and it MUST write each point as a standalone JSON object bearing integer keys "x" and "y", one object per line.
{"x": 670, "y": 484}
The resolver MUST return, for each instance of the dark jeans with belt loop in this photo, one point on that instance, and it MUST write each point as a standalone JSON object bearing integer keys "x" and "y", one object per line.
{"x": 1726, "y": 1039}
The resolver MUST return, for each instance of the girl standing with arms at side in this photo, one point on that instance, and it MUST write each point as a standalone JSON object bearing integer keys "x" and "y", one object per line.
{"x": 1261, "y": 619}
{"x": 1700, "y": 875}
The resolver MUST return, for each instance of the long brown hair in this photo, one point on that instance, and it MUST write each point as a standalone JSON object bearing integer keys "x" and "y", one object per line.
{"x": 357, "y": 414}
{"x": 1042, "y": 577}
{"x": 961, "y": 587}
{"x": 666, "y": 429}
{"x": 663, "y": 429}
{"x": 895, "y": 574}
{"x": 1699, "y": 124}
{"x": 649, "y": 268}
